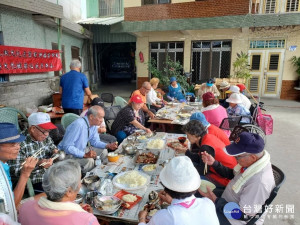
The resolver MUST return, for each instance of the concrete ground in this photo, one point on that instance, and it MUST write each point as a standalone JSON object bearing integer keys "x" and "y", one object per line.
{"x": 282, "y": 145}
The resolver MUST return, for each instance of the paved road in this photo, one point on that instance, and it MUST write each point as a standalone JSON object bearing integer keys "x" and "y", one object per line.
{"x": 283, "y": 145}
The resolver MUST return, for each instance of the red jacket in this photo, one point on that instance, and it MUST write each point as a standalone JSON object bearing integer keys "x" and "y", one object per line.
{"x": 214, "y": 130}
{"x": 220, "y": 155}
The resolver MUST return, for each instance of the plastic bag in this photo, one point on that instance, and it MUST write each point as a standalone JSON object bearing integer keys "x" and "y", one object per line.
{"x": 265, "y": 121}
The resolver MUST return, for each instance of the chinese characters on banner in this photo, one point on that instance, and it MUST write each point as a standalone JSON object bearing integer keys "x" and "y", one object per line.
{"x": 28, "y": 60}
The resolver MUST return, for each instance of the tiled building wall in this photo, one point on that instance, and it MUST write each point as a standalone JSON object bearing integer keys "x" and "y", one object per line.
{"x": 187, "y": 10}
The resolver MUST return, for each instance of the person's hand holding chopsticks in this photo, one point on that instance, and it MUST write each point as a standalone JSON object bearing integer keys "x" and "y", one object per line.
{"x": 207, "y": 158}
{"x": 45, "y": 163}
{"x": 28, "y": 166}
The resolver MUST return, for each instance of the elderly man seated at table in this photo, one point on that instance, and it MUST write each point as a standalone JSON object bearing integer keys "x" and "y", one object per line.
{"x": 9, "y": 148}
{"x": 129, "y": 119}
{"x": 200, "y": 141}
{"x": 142, "y": 92}
{"x": 237, "y": 109}
{"x": 37, "y": 140}
{"x": 82, "y": 142}
{"x": 181, "y": 181}
{"x": 245, "y": 101}
{"x": 61, "y": 184}
{"x": 251, "y": 182}
{"x": 209, "y": 86}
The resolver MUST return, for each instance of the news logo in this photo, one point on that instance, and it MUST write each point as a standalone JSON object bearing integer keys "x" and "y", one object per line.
{"x": 232, "y": 211}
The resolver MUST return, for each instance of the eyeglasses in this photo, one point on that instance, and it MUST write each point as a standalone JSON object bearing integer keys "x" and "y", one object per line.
{"x": 240, "y": 156}
{"x": 45, "y": 132}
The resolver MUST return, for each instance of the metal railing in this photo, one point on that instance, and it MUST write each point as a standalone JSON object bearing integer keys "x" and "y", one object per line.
{"x": 109, "y": 8}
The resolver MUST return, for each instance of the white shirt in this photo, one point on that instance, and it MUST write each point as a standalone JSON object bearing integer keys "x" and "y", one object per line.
{"x": 245, "y": 101}
{"x": 152, "y": 97}
{"x": 202, "y": 212}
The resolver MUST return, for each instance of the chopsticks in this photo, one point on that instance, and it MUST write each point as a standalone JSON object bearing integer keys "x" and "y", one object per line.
{"x": 45, "y": 163}
{"x": 35, "y": 155}
{"x": 205, "y": 169}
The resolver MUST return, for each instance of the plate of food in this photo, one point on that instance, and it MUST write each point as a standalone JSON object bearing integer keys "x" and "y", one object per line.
{"x": 184, "y": 115}
{"x": 176, "y": 144}
{"x": 131, "y": 180}
{"x": 147, "y": 158}
{"x": 149, "y": 168}
{"x": 129, "y": 199}
{"x": 107, "y": 204}
{"x": 142, "y": 138}
{"x": 156, "y": 144}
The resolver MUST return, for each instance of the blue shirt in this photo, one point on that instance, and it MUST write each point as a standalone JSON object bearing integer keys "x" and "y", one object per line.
{"x": 176, "y": 92}
{"x": 239, "y": 110}
{"x": 73, "y": 84}
{"x": 76, "y": 138}
{"x": 6, "y": 169}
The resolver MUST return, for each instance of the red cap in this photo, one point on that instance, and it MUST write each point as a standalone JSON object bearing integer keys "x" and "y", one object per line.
{"x": 208, "y": 96}
{"x": 241, "y": 86}
{"x": 136, "y": 99}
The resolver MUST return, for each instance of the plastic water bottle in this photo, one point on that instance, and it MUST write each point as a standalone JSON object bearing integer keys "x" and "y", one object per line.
{"x": 98, "y": 161}
{"x": 109, "y": 189}
{"x": 196, "y": 99}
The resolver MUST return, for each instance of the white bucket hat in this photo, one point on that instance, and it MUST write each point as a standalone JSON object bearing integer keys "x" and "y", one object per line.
{"x": 180, "y": 175}
{"x": 224, "y": 84}
{"x": 234, "y": 98}
{"x": 233, "y": 89}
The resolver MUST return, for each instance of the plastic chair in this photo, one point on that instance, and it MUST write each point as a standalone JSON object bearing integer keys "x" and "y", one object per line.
{"x": 67, "y": 119}
{"x": 230, "y": 122}
{"x": 279, "y": 177}
{"x": 120, "y": 101}
{"x": 107, "y": 97}
{"x": 111, "y": 114}
{"x": 10, "y": 115}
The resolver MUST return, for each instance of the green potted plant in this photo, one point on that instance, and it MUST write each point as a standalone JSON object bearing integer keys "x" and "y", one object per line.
{"x": 241, "y": 68}
{"x": 296, "y": 62}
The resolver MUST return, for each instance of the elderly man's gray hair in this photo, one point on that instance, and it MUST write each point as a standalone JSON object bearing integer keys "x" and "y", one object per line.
{"x": 146, "y": 83}
{"x": 94, "y": 110}
{"x": 60, "y": 177}
{"x": 75, "y": 63}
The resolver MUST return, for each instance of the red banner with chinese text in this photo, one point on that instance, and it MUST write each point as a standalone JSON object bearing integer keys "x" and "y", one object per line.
{"x": 15, "y": 59}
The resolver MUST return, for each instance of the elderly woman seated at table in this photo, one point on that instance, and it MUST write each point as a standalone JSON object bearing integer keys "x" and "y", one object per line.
{"x": 175, "y": 91}
{"x": 129, "y": 119}
{"x": 152, "y": 96}
{"x": 61, "y": 184}
{"x": 202, "y": 141}
{"x": 181, "y": 181}
{"x": 237, "y": 109}
{"x": 214, "y": 113}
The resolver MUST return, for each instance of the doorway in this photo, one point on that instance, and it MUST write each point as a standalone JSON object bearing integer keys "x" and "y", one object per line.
{"x": 266, "y": 69}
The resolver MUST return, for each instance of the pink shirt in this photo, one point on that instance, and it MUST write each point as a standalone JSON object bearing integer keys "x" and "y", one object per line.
{"x": 31, "y": 213}
{"x": 214, "y": 114}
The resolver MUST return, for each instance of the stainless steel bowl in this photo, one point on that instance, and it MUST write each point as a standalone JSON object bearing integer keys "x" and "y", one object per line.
{"x": 92, "y": 182}
{"x": 130, "y": 150}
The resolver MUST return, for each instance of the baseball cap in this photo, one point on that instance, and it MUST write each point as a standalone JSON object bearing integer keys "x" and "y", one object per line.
{"x": 241, "y": 86}
{"x": 246, "y": 143}
{"x": 42, "y": 120}
{"x": 136, "y": 99}
{"x": 172, "y": 79}
{"x": 10, "y": 134}
{"x": 97, "y": 101}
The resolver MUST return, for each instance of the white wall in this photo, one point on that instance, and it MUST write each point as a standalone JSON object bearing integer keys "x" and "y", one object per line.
{"x": 72, "y": 8}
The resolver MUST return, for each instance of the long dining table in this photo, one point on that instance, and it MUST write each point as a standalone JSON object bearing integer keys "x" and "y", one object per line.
{"x": 128, "y": 163}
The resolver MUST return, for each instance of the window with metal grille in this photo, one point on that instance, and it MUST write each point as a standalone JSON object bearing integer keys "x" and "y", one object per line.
{"x": 271, "y": 84}
{"x": 270, "y": 6}
{"x": 210, "y": 59}
{"x": 267, "y": 44}
{"x": 110, "y": 8}
{"x": 274, "y": 60}
{"x": 151, "y": 2}
{"x": 253, "y": 84}
{"x": 160, "y": 51}
{"x": 255, "y": 62}
{"x": 292, "y": 5}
